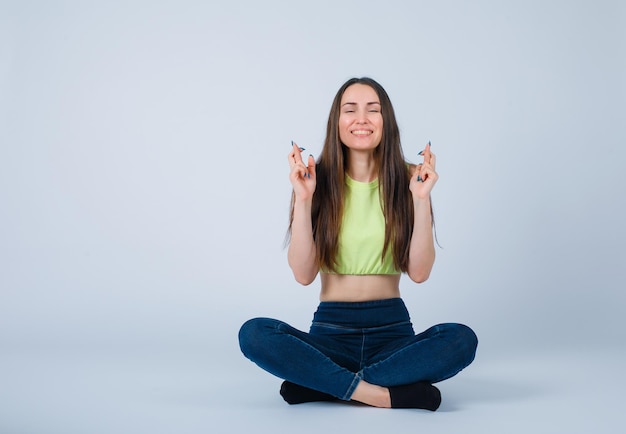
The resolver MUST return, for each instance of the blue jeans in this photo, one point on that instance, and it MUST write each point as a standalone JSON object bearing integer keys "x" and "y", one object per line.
{"x": 349, "y": 342}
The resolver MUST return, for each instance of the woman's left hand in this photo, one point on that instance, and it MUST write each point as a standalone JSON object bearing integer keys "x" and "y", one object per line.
{"x": 423, "y": 176}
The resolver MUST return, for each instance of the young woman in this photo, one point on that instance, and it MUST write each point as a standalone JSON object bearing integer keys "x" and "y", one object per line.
{"x": 360, "y": 216}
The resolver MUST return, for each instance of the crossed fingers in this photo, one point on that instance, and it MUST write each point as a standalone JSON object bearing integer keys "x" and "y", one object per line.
{"x": 297, "y": 165}
{"x": 426, "y": 169}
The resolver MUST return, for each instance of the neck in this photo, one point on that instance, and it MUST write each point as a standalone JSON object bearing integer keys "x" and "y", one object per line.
{"x": 362, "y": 166}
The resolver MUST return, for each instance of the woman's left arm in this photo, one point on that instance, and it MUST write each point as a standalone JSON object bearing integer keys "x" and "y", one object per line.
{"x": 422, "y": 248}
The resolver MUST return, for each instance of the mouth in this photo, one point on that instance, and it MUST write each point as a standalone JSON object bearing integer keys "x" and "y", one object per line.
{"x": 361, "y": 132}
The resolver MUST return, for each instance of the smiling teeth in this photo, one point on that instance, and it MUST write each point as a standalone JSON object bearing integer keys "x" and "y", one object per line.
{"x": 360, "y": 132}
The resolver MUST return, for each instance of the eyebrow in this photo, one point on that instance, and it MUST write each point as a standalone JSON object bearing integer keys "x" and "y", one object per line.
{"x": 353, "y": 103}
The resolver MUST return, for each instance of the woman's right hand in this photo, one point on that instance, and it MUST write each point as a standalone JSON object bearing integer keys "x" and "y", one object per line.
{"x": 302, "y": 176}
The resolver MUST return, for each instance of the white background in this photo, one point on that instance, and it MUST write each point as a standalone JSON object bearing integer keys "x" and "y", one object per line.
{"x": 144, "y": 191}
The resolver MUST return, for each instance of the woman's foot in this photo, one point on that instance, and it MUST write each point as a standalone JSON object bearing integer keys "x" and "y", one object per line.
{"x": 296, "y": 394}
{"x": 371, "y": 394}
{"x": 416, "y": 395}
{"x": 421, "y": 395}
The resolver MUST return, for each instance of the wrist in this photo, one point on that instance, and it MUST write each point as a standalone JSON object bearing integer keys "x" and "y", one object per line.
{"x": 303, "y": 203}
{"x": 420, "y": 201}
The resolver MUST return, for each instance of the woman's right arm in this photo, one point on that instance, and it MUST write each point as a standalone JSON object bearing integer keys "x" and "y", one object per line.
{"x": 302, "y": 252}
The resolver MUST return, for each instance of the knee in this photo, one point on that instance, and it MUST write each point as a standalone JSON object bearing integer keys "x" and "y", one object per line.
{"x": 468, "y": 341}
{"x": 253, "y": 334}
{"x": 464, "y": 340}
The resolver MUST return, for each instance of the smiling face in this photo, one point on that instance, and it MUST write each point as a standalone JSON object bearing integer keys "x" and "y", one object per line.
{"x": 360, "y": 118}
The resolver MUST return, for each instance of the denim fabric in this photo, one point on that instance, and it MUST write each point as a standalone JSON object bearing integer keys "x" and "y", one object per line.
{"x": 347, "y": 342}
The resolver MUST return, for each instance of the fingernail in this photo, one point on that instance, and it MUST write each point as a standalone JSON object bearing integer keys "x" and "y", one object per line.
{"x": 429, "y": 143}
{"x": 419, "y": 179}
{"x": 420, "y": 153}
{"x": 309, "y": 175}
{"x": 302, "y": 149}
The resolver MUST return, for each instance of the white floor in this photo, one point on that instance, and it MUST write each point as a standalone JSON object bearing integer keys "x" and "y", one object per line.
{"x": 140, "y": 391}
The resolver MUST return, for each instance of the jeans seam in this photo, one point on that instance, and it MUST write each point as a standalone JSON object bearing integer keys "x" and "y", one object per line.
{"x": 355, "y": 382}
{"x": 362, "y": 349}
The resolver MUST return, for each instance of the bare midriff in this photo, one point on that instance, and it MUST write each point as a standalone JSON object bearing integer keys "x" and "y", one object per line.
{"x": 353, "y": 288}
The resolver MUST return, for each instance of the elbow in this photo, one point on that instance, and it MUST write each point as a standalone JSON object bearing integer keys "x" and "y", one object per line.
{"x": 304, "y": 279}
{"x": 419, "y": 276}
{"x": 304, "y": 273}
{"x": 419, "y": 271}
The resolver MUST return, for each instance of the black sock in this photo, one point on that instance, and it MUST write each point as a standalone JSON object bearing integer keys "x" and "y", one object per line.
{"x": 416, "y": 395}
{"x": 296, "y": 394}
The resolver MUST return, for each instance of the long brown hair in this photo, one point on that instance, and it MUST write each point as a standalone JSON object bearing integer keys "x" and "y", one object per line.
{"x": 393, "y": 181}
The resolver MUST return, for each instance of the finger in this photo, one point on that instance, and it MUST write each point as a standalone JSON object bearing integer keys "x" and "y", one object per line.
{"x": 433, "y": 160}
{"x": 291, "y": 159}
{"x": 429, "y": 157}
{"x": 297, "y": 153}
{"x": 428, "y": 174}
{"x": 424, "y": 170}
{"x": 292, "y": 156}
{"x": 298, "y": 171}
{"x": 309, "y": 168}
{"x": 418, "y": 172}
{"x": 427, "y": 154}
{"x": 311, "y": 165}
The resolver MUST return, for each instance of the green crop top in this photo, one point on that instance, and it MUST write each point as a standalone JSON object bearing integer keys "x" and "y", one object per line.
{"x": 362, "y": 232}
